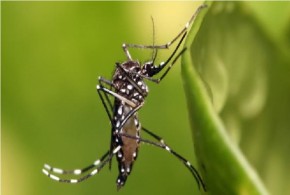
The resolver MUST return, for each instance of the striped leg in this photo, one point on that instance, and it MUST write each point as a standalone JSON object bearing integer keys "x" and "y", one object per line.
{"x": 105, "y": 101}
{"x": 75, "y": 171}
{"x": 162, "y": 145}
{"x": 108, "y": 105}
{"x": 97, "y": 165}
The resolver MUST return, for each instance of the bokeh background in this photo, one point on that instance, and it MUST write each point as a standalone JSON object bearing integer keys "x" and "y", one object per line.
{"x": 52, "y": 55}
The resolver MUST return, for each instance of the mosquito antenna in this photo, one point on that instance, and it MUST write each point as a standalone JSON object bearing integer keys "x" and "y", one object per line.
{"x": 154, "y": 53}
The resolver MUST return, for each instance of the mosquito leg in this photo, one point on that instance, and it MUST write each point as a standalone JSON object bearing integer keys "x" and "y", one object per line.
{"x": 92, "y": 173}
{"x": 186, "y": 162}
{"x": 130, "y": 103}
{"x": 169, "y": 67}
{"x": 129, "y": 115}
{"x": 49, "y": 169}
{"x": 153, "y": 70}
{"x": 153, "y": 135}
{"x": 110, "y": 83}
{"x": 168, "y": 44}
{"x": 188, "y": 165}
{"x": 105, "y": 81}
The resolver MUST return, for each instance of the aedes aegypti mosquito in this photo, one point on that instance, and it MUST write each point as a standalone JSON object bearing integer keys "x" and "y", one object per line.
{"x": 129, "y": 91}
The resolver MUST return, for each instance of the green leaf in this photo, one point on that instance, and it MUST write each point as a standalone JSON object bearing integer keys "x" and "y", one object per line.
{"x": 224, "y": 79}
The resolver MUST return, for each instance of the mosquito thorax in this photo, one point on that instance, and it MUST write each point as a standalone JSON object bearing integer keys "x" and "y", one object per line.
{"x": 128, "y": 81}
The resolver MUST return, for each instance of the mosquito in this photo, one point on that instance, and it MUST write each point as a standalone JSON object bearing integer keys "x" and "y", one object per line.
{"x": 128, "y": 90}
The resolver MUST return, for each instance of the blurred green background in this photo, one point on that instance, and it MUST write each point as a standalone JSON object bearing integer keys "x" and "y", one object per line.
{"x": 240, "y": 111}
{"x": 52, "y": 55}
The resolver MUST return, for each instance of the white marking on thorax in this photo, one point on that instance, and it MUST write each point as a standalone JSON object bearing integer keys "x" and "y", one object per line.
{"x": 120, "y": 110}
{"x": 130, "y": 87}
{"x": 117, "y": 123}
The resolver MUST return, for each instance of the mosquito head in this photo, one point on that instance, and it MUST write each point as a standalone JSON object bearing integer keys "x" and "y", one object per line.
{"x": 148, "y": 69}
